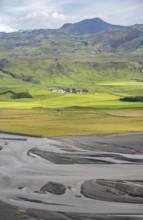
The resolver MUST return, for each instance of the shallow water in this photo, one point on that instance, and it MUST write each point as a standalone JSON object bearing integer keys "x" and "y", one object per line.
{"x": 22, "y": 174}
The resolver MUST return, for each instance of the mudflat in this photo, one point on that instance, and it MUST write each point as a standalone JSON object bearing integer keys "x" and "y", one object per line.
{"x": 72, "y": 177}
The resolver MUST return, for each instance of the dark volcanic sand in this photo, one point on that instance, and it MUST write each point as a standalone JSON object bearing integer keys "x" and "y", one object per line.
{"x": 9, "y": 212}
{"x": 95, "y": 177}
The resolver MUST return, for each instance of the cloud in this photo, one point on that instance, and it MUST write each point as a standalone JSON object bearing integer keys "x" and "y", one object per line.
{"x": 7, "y": 29}
{"x": 25, "y": 14}
{"x": 35, "y": 14}
{"x": 36, "y": 20}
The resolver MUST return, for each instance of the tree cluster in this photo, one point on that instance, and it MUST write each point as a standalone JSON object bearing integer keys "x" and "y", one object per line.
{"x": 132, "y": 99}
{"x": 21, "y": 95}
{"x": 73, "y": 90}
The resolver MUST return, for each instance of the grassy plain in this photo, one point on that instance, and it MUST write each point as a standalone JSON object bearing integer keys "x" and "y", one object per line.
{"x": 49, "y": 122}
{"x": 51, "y": 114}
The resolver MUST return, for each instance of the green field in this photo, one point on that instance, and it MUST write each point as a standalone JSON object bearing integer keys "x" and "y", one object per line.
{"x": 48, "y": 113}
{"x": 50, "y": 122}
{"x": 107, "y": 65}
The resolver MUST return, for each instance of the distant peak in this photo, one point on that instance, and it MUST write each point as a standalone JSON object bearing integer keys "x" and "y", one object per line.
{"x": 88, "y": 26}
{"x": 66, "y": 25}
{"x": 95, "y": 19}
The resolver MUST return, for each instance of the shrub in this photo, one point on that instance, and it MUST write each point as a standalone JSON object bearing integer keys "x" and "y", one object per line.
{"x": 132, "y": 99}
{"x": 21, "y": 95}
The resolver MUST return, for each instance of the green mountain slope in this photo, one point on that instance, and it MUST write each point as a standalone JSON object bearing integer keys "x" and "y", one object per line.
{"x": 52, "y": 59}
{"x": 86, "y": 38}
{"x": 69, "y": 74}
{"x": 95, "y": 64}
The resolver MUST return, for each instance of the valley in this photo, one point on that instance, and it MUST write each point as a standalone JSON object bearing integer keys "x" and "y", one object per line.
{"x": 102, "y": 82}
{"x": 71, "y": 122}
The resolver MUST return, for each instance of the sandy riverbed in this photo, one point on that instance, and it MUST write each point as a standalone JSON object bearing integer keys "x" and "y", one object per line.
{"x": 74, "y": 177}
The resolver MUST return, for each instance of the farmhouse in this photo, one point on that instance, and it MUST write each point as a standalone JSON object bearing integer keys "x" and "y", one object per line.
{"x": 58, "y": 90}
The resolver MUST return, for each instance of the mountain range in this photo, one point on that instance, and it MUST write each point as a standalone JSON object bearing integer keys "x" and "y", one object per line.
{"x": 85, "y": 38}
{"x": 74, "y": 56}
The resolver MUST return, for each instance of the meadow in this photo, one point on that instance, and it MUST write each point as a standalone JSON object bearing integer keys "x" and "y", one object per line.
{"x": 55, "y": 114}
{"x": 98, "y": 111}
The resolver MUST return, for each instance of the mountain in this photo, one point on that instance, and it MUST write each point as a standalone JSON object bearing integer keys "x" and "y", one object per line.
{"x": 87, "y": 38}
{"x": 126, "y": 40}
{"x": 73, "y": 56}
{"x": 88, "y": 26}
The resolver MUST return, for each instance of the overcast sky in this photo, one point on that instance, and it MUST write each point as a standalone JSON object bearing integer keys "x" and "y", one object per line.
{"x": 35, "y": 14}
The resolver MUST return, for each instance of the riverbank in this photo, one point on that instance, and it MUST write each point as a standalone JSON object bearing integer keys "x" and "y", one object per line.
{"x": 42, "y": 178}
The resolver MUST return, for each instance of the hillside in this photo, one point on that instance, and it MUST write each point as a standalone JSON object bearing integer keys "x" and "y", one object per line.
{"x": 54, "y": 73}
{"x": 86, "y": 38}
{"x": 50, "y": 59}
{"x": 58, "y": 83}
